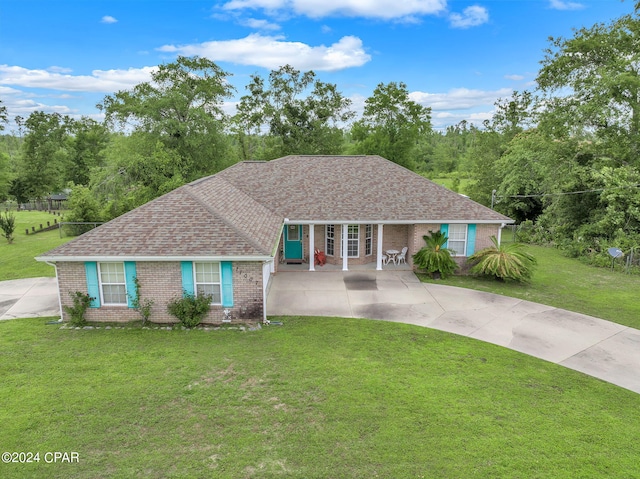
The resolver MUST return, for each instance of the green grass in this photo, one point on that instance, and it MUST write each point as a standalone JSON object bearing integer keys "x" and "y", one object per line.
{"x": 315, "y": 398}
{"x": 569, "y": 284}
{"x": 16, "y": 259}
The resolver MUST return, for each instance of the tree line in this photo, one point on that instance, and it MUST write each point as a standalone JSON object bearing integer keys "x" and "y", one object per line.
{"x": 562, "y": 160}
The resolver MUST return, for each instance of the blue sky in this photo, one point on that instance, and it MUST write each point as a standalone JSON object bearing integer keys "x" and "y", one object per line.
{"x": 458, "y": 57}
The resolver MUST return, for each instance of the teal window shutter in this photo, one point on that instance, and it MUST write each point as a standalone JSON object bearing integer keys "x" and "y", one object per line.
{"x": 227, "y": 284}
{"x": 444, "y": 229}
{"x": 93, "y": 286}
{"x": 471, "y": 239}
{"x": 130, "y": 275}
{"x": 187, "y": 278}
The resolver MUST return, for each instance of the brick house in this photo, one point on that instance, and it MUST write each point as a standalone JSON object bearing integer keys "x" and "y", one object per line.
{"x": 226, "y": 234}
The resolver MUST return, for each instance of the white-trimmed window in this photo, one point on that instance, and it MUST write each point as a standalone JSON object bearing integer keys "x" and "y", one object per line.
{"x": 353, "y": 241}
{"x": 458, "y": 239}
{"x": 331, "y": 240}
{"x": 207, "y": 280}
{"x": 368, "y": 240}
{"x": 113, "y": 285}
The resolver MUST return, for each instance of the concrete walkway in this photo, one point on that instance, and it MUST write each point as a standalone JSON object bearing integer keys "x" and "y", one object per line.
{"x": 599, "y": 348}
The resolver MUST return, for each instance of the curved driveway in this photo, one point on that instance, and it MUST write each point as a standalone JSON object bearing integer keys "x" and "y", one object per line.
{"x": 599, "y": 348}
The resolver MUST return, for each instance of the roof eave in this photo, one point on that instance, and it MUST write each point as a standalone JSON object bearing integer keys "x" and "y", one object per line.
{"x": 138, "y": 258}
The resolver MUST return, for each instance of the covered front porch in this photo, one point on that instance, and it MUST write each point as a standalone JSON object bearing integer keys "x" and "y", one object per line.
{"x": 346, "y": 246}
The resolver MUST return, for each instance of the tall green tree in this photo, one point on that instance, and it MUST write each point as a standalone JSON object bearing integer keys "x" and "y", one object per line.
{"x": 87, "y": 142}
{"x": 300, "y": 114}
{"x": 44, "y": 157}
{"x": 182, "y": 107}
{"x": 591, "y": 82}
{"x": 391, "y": 125}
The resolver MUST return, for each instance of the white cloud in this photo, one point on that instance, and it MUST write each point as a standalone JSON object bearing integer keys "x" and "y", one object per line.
{"x": 514, "y": 77}
{"x": 108, "y": 19}
{"x": 273, "y": 52}
{"x": 459, "y": 98}
{"x": 564, "y": 5}
{"x": 98, "y": 81}
{"x": 471, "y": 17}
{"x": 385, "y": 9}
{"x": 259, "y": 24}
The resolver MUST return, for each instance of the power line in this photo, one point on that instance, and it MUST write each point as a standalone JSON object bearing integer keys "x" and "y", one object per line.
{"x": 539, "y": 195}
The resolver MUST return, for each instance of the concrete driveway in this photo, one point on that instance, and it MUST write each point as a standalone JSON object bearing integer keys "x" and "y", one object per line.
{"x": 599, "y": 348}
{"x": 29, "y": 298}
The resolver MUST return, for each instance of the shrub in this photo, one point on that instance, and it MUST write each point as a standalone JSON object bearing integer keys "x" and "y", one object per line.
{"x": 81, "y": 302}
{"x": 434, "y": 258}
{"x": 503, "y": 262}
{"x": 190, "y": 309}
{"x": 8, "y": 225}
{"x": 142, "y": 306}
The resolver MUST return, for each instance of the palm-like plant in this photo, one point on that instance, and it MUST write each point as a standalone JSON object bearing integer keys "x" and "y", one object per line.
{"x": 503, "y": 262}
{"x": 434, "y": 258}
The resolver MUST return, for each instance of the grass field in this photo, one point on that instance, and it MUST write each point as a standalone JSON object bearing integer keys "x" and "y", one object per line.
{"x": 569, "y": 284}
{"x": 16, "y": 259}
{"x": 315, "y": 398}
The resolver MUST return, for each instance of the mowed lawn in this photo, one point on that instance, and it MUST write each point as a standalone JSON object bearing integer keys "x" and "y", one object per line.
{"x": 314, "y": 398}
{"x": 17, "y": 259}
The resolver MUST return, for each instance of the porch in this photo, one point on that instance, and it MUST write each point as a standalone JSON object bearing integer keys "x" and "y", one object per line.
{"x": 328, "y": 267}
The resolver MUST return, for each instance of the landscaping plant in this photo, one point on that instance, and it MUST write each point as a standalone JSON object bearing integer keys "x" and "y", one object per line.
{"x": 142, "y": 306}
{"x": 81, "y": 302}
{"x": 190, "y": 309}
{"x": 8, "y": 225}
{"x": 434, "y": 258}
{"x": 503, "y": 261}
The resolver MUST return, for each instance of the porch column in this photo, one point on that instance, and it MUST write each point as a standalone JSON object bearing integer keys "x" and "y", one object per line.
{"x": 379, "y": 251}
{"x": 312, "y": 248}
{"x": 345, "y": 249}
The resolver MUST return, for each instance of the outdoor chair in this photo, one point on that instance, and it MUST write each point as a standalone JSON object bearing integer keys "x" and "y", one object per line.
{"x": 385, "y": 259}
{"x": 402, "y": 257}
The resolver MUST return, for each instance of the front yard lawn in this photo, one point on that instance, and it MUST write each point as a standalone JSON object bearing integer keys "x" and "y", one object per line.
{"x": 315, "y": 398}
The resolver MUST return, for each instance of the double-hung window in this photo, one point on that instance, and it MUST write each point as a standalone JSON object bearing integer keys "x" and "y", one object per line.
{"x": 458, "y": 239}
{"x": 113, "y": 284}
{"x": 207, "y": 280}
{"x": 331, "y": 240}
{"x": 368, "y": 240}
{"x": 353, "y": 241}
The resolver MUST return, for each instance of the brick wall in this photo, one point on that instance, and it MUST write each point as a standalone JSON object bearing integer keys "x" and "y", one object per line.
{"x": 162, "y": 282}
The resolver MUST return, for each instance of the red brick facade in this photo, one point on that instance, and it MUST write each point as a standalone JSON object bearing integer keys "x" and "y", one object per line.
{"x": 162, "y": 282}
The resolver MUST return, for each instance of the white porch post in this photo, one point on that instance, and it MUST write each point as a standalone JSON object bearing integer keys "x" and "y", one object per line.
{"x": 345, "y": 248}
{"x": 312, "y": 248}
{"x": 379, "y": 251}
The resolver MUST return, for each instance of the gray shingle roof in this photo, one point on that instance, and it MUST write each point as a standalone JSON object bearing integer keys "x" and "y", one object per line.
{"x": 240, "y": 211}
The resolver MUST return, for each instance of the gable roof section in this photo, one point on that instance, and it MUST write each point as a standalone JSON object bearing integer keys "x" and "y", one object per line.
{"x": 357, "y": 189}
{"x": 239, "y": 212}
{"x": 206, "y": 218}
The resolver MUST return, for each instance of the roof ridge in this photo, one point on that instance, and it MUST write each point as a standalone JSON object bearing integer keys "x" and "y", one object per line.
{"x": 212, "y": 210}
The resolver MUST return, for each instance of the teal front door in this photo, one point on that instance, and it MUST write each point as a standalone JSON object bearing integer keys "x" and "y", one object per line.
{"x": 293, "y": 242}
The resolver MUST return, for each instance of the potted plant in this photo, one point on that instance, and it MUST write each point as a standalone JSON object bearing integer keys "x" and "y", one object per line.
{"x": 434, "y": 258}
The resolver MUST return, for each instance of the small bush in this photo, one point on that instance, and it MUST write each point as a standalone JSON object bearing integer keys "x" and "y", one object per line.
{"x": 503, "y": 262}
{"x": 8, "y": 225}
{"x": 142, "y": 306}
{"x": 81, "y": 302}
{"x": 190, "y": 309}
{"x": 434, "y": 258}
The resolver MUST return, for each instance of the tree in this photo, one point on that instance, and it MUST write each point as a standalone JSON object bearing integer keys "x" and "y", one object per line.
{"x": 600, "y": 68}
{"x": 87, "y": 144}
{"x": 3, "y": 116}
{"x": 182, "y": 108}
{"x": 301, "y": 114}
{"x": 45, "y": 154}
{"x": 391, "y": 124}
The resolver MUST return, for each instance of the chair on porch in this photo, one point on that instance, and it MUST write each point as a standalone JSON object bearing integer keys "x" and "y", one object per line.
{"x": 385, "y": 259}
{"x": 402, "y": 257}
